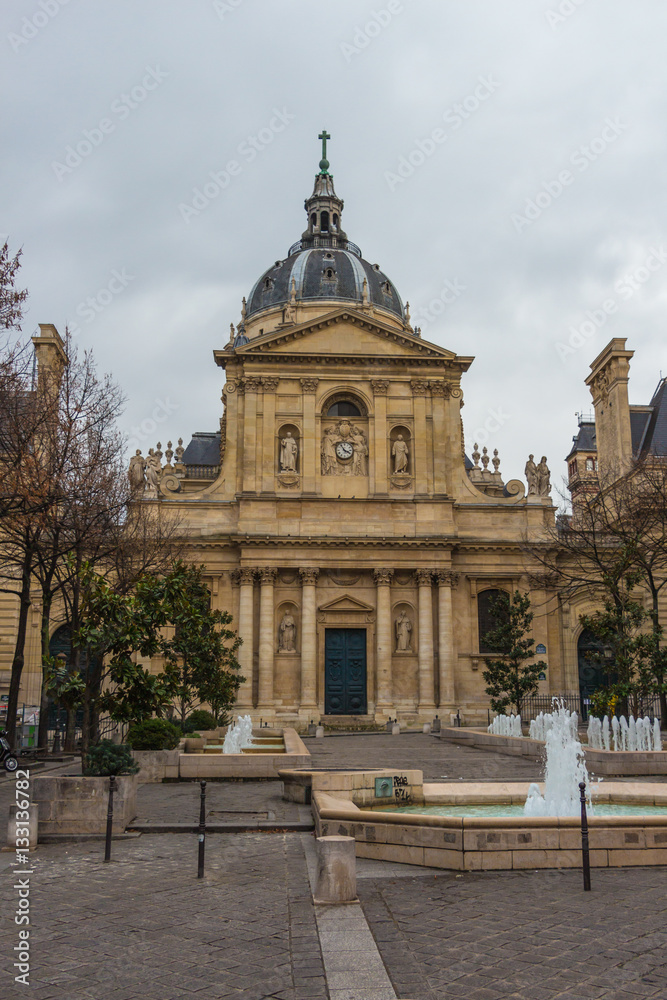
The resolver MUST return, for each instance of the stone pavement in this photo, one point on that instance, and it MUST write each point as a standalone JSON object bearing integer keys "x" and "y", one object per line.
{"x": 522, "y": 935}
{"x": 435, "y": 757}
{"x": 145, "y": 927}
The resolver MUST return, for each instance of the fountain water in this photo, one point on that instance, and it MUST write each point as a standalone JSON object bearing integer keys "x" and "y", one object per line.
{"x": 506, "y": 725}
{"x": 540, "y": 726}
{"x": 565, "y": 769}
{"x": 635, "y": 734}
{"x": 239, "y": 735}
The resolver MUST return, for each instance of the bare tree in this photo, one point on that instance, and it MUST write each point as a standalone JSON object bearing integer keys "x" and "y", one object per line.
{"x": 11, "y": 299}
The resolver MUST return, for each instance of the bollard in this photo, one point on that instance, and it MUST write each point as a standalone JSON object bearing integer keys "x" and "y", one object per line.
{"x": 396, "y": 729}
{"x": 202, "y": 829}
{"x": 336, "y": 871}
{"x": 107, "y": 846}
{"x": 319, "y": 732}
{"x": 585, "y": 856}
{"x": 427, "y": 727}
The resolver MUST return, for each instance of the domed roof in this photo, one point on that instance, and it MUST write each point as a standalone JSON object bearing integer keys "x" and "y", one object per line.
{"x": 324, "y": 273}
{"x": 323, "y": 264}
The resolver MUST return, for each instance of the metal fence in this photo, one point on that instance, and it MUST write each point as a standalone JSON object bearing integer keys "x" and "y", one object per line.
{"x": 533, "y": 705}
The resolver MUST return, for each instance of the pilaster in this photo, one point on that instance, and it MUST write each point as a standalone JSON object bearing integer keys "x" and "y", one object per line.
{"x": 385, "y": 694}
{"x": 424, "y": 578}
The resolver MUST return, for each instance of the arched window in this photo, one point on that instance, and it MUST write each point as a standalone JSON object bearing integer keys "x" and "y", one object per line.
{"x": 335, "y": 221}
{"x": 590, "y": 465}
{"x": 313, "y": 219}
{"x": 343, "y": 408}
{"x": 324, "y": 222}
{"x": 488, "y": 618}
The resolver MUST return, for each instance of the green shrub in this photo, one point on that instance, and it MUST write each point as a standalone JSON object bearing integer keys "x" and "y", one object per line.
{"x": 199, "y": 719}
{"x": 153, "y": 734}
{"x": 109, "y": 758}
{"x": 193, "y": 736}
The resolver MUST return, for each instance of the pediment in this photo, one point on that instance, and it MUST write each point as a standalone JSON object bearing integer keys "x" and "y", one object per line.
{"x": 344, "y": 332}
{"x": 346, "y": 603}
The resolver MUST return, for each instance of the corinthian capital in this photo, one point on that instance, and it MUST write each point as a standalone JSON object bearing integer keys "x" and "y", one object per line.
{"x": 424, "y": 577}
{"x": 445, "y": 578}
{"x": 244, "y": 575}
{"x": 309, "y": 384}
{"x": 379, "y": 386}
{"x": 309, "y": 577}
{"x": 383, "y": 576}
{"x": 268, "y": 575}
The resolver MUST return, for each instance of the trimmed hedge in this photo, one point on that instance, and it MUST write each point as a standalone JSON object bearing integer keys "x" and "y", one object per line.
{"x": 153, "y": 734}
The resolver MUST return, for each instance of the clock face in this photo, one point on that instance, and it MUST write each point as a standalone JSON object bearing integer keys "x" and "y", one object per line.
{"x": 344, "y": 450}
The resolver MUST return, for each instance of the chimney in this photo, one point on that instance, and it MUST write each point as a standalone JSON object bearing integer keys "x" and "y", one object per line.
{"x": 608, "y": 384}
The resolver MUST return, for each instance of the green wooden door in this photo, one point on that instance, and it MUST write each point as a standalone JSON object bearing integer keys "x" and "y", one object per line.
{"x": 345, "y": 671}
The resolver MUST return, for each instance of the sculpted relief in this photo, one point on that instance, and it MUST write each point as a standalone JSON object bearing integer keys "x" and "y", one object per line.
{"x": 344, "y": 450}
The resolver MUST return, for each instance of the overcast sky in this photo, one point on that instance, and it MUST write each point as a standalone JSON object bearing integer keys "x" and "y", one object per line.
{"x": 502, "y": 160}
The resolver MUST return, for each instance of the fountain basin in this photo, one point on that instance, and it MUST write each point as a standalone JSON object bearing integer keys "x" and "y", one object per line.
{"x": 287, "y": 750}
{"x": 474, "y": 843}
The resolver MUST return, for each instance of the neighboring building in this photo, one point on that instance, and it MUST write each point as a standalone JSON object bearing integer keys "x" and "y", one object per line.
{"x": 335, "y": 511}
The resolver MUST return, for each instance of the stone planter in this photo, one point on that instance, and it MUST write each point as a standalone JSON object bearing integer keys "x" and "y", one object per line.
{"x": 156, "y": 765}
{"x": 76, "y": 806}
{"x": 195, "y": 746}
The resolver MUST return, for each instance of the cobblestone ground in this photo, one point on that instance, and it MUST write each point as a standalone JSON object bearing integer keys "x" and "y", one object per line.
{"x": 522, "y": 935}
{"x": 435, "y": 757}
{"x": 226, "y": 801}
{"x": 143, "y": 926}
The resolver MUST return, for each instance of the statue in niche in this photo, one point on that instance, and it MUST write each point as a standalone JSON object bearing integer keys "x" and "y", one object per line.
{"x": 289, "y": 450}
{"x": 400, "y": 454}
{"x": 530, "y": 473}
{"x": 329, "y": 452}
{"x": 360, "y": 446}
{"x": 287, "y": 636}
{"x": 403, "y": 636}
{"x": 136, "y": 472}
{"x": 153, "y": 470}
{"x": 543, "y": 478}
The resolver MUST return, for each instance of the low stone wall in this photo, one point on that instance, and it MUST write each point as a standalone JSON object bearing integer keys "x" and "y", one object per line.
{"x": 380, "y": 786}
{"x": 212, "y": 766}
{"x": 615, "y": 763}
{"x": 156, "y": 765}
{"x": 77, "y": 806}
{"x": 499, "y": 843}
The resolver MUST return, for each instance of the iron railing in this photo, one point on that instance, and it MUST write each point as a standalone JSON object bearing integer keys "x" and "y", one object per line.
{"x": 324, "y": 243}
{"x": 533, "y": 705}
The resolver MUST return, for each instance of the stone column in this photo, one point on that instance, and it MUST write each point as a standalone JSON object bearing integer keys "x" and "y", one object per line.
{"x": 420, "y": 454}
{"x": 246, "y": 581}
{"x": 252, "y": 387}
{"x": 424, "y": 579}
{"x": 440, "y": 393}
{"x": 268, "y": 450}
{"x": 309, "y": 641}
{"x": 446, "y": 581}
{"x": 383, "y": 650}
{"x": 267, "y": 578}
{"x": 310, "y": 446}
{"x": 378, "y": 470}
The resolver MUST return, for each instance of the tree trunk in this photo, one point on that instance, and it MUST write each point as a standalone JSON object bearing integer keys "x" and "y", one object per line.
{"x": 43, "y": 733}
{"x": 19, "y": 649}
{"x": 70, "y": 731}
{"x": 659, "y": 675}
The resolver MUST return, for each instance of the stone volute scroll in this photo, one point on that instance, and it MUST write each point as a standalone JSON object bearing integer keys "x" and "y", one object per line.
{"x": 403, "y": 630}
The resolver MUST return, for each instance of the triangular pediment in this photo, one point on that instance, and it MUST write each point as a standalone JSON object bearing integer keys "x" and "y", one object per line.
{"x": 346, "y": 603}
{"x": 344, "y": 332}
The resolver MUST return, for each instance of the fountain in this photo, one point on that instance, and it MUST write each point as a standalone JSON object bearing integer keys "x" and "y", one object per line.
{"x": 506, "y": 725}
{"x": 239, "y": 735}
{"x": 635, "y": 735}
{"x": 565, "y": 769}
